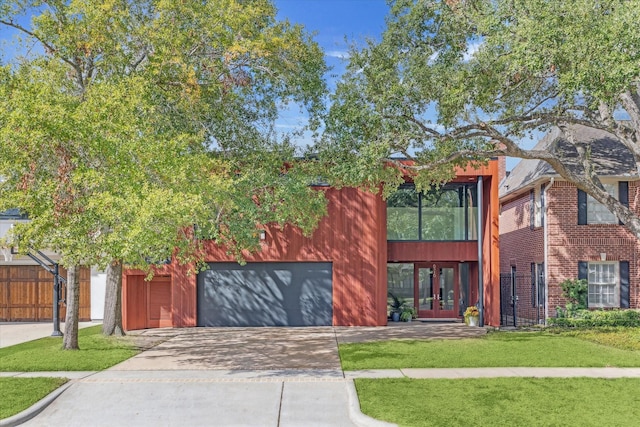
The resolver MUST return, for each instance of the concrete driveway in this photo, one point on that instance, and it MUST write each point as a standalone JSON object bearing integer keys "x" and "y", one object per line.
{"x": 273, "y": 377}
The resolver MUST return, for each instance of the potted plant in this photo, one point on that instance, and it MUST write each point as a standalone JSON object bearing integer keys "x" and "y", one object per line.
{"x": 397, "y": 306}
{"x": 472, "y": 315}
{"x": 407, "y": 313}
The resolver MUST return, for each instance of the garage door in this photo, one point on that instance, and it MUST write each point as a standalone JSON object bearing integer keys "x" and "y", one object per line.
{"x": 265, "y": 294}
{"x": 26, "y": 294}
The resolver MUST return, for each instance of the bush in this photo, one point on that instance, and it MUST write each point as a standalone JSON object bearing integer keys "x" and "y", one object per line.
{"x": 597, "y": 318}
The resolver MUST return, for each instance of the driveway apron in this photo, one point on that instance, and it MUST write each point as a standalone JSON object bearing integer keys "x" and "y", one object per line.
{"x": 215, "y": 377}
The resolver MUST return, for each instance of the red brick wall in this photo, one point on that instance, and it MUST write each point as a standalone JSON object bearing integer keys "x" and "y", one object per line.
{"x": 519, "y": 245}
{"x": 570, "y": 242}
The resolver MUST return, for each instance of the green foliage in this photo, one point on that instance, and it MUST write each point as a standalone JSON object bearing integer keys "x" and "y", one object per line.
{"x": 575, "y": 291}
{"x": 453, "y": 82}
{"x": 397, "y": 304}
{"x": 501, "y": 401}
{"x": 20, "y": 393}
{"x": 131, "y": 121}
{"x": 598, "y": 318}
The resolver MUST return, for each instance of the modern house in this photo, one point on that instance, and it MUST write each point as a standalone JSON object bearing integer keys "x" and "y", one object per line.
{"x": 437, "y": 249}
{"x": 550, "y": 231}
{"x": 26, "y": 289}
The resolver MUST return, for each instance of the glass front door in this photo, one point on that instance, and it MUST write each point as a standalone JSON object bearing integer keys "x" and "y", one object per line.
{"x": 436, "y": 290}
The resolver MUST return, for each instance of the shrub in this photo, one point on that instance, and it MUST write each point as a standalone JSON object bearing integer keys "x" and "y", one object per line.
{"x": 597, "y": 318}
{"x": 576, "y": 292}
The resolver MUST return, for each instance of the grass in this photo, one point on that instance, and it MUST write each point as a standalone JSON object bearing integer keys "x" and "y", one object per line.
{"x": 20, "y": 393}
{"x": 96, "y": 353}
{"x": 591, "y": 348}
{"x": 502, "y": 401}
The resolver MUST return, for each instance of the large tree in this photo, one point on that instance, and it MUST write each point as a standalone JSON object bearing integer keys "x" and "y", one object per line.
{"x": 457, "y": 80}
{"x": 125, "y": 123}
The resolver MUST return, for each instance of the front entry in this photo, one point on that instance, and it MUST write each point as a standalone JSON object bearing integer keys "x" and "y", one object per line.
{"x": 436, "y": 290}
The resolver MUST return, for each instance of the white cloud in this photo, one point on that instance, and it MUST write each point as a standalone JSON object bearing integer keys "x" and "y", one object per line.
{"x": 342, "y": 54}
{"x": 471, "y": 50}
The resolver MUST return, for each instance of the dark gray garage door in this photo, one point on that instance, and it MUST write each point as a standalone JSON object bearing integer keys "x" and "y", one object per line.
{"x": 265, "y": 294}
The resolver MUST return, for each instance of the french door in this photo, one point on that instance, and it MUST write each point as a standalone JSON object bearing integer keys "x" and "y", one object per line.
{"x": 436, "y": 290}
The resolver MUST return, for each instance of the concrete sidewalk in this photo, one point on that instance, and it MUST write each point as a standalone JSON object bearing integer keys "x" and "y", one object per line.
{"x": 271, "y": 398}
{"x": 12, "y": 333}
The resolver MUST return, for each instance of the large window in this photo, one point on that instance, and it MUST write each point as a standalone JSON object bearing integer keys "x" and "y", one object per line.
{"x": 597, "y": 213}
{"x": 604, "y": 289}
{"x": 445, "y": 213}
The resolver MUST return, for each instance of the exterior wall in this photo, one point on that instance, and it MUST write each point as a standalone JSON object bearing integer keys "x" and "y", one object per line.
{"x": 519, "y": 244}
{"x": 352, "y": 237}
{"x": 570, "y": 242}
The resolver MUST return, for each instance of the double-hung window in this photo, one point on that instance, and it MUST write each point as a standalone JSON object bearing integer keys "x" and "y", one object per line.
{"x": 604, "y": 284}
{"x": 597, "y": 213}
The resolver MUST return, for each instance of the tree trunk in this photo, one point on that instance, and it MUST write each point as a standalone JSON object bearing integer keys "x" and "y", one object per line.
{"x": 70, "y": 339}
{"x": 112, "y": 321}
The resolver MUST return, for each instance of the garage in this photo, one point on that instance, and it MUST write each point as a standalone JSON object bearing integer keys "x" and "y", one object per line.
{"x": 265, "y": 294}
{"x": 26, "y": 294}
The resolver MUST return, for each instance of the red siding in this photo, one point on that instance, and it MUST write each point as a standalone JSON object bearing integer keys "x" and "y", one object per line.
{"x": 353, "y": 238}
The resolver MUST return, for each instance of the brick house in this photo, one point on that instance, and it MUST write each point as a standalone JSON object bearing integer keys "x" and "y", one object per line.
{"x": 550, "y": 231}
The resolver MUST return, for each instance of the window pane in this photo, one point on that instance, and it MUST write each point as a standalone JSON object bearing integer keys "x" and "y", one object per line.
{"x": 402, "y": 215}
{"x": 597, "y": 213}
{"x": 443, "y": 214}
{"x": 400, "y": 281}
{"x": 603, "y": 284}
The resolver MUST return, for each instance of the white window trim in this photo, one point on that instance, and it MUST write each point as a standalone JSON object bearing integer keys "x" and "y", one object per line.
{"x": 616, "y": 285}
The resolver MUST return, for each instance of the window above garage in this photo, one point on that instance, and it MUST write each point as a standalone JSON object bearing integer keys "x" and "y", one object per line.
{"x": 447, "y": 213}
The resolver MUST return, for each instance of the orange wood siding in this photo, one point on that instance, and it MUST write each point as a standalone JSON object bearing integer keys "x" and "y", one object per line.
{"x": 26, "y": 294}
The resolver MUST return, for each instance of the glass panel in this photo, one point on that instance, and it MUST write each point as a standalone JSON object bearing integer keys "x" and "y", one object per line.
{"x": 400, "y": 281}
{"x": 603, "y": 284}
{"x": 597, "y": 213}
{"x": 446, "y": 213}
{"x": 447, "y": 292}
{"x": 425, "y": 288}
{"x": 402, "y": 215}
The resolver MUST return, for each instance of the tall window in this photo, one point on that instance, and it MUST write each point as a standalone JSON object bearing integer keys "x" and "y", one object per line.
{"x": 597, "y": 213}
{"x": 440, "y": 214}
{"x": 604, "y": 289}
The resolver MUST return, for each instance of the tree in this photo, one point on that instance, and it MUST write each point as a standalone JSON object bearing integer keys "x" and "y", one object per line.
{"x": 127, "y": 122}
{"x": 454, "y": 81}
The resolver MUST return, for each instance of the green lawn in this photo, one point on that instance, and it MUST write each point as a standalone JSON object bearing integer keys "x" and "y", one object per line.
{"x": 20, "y": 393}
{"x": 96, "y": 353}
{"x": 502, "y": 349}
{"x": 502, "y": 401}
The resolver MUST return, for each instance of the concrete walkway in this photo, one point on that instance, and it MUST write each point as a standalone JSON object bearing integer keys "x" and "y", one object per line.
{"x": 12, "y": 333}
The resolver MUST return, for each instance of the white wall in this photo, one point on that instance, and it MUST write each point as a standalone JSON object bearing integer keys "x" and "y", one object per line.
{"x": 98, "y": 286}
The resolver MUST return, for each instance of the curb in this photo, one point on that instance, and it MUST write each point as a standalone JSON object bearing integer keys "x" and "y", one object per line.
{"x": 36, "y": 408}
{"x": 356, "y": 414}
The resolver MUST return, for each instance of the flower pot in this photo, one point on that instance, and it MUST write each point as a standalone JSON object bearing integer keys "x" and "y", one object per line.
{"x": 473, "y": 320}
{"x": 395, "y": 316}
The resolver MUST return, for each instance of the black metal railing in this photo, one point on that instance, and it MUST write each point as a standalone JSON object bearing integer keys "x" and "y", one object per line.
{"x": 520, "y": 302}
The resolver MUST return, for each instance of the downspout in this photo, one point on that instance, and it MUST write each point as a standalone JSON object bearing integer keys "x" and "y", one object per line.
{"x": 546, "y": 250}
{"x": 480, "y": 254}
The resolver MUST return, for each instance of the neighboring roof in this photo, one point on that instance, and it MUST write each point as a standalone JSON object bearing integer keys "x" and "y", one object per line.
{"x": 610, "y": 157}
